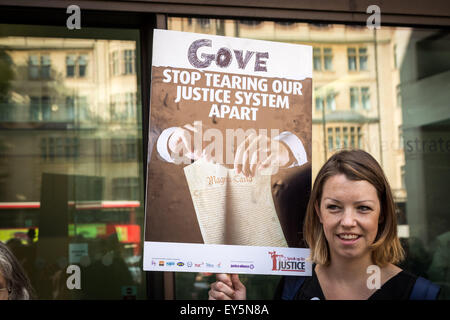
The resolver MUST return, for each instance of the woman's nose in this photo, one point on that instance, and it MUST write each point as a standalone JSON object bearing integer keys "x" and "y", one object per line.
{"x": 348, "y": 218}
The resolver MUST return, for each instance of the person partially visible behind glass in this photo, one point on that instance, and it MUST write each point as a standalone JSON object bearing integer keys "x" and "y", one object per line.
{"x": 14, "y": 283}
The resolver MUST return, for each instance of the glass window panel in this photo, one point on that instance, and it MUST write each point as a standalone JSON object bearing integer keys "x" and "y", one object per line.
{"x": 317, "y": 64}
{"x": 82, "y": 65}
{"x": 328, "y": 59}
{"x": 352, "y": 63}
{"x": 362, "y": 58}
{"x": 131, "y": 150}
{"x": 128, "y": 61}
{"x": 83, "y": 109}
{"x": 33, "y": 67}
{"x": 331, "y": 103}
{"x": 35, "y": 109}
{"x": 59, "y": 147}
{"x": 360, "y": 138}
{"x": 328, "y": 63}
{"x": 317, "y": 59}
{"x": 70, "y": 66}
{"x": 115, "y": 63}
{"x": 319, "y": 103}
{"x": 345, "y": 135}
{"x": 354, "y": 98}
{"x": 417, "y": 175}
{"x": 130, "y": 105}
{"x": 46, "y": 108}
{"x": 365, "y": 98}
{"x": 59, "y": 170}
{"x": 45, "y": 66}
{"x": 125, "y": 188}
{"x": 338, "y": 137}
{"x": 330, "y": 139}
{"x": 363, "y": 62}
{"x": 70, "y": 108}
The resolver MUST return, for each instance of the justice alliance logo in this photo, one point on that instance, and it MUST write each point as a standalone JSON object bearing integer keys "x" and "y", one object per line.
{"x": 282, "y": 263}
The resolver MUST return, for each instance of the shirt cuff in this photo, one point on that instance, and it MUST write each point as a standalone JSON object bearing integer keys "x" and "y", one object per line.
{"x": 296, "y": 147}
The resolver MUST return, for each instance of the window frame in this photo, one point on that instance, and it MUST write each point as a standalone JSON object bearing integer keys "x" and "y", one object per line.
{"x": 320, "y": 56}
{"x": 357, "y": 56}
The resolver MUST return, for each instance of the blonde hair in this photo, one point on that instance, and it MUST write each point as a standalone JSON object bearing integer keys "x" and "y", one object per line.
{"x": 355, "y": 165}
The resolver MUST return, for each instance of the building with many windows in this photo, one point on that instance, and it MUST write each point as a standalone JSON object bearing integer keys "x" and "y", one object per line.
{"x": 82, "y": 98}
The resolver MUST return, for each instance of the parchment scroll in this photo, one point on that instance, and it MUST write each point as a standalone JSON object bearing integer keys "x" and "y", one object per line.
{"x": 231, "y": 208}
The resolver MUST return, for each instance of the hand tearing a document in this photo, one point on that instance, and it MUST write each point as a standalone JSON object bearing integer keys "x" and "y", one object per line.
{"x": 255, "y": 151}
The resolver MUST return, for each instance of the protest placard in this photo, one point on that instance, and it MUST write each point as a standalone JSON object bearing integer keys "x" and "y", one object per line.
{"x": 229, "y": 163}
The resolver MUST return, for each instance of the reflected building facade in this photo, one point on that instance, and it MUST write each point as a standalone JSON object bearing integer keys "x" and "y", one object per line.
{"x": 71, "y": 121}
{"x": 82, "y": 97}
{"x": 382, "y": 91}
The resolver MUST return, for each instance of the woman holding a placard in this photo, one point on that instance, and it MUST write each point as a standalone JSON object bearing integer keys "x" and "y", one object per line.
{"x": 351, "y": 229}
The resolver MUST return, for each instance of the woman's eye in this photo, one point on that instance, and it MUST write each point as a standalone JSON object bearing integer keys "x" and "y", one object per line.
{"x": 364, "y": 208}
{"x": 332, "y": 207}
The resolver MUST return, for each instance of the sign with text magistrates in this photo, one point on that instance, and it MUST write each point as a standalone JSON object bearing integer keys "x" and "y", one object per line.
{"x": 229, "y": 162}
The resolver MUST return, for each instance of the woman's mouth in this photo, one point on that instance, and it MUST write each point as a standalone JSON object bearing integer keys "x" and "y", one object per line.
{"x": 348, "y": 238}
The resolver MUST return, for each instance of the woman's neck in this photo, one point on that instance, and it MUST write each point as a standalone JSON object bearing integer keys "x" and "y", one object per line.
{"x": 348, "y": 270}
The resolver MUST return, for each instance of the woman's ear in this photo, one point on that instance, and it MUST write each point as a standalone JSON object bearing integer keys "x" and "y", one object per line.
{"x": 317, "y": 210}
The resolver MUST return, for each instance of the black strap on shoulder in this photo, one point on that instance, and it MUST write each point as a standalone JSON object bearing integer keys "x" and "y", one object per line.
{"x": 291, "y": 286}
{"x": 424, "y": 290}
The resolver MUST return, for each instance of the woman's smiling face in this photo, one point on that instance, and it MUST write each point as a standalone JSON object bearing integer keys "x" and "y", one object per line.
{"x": 349, "y": 212}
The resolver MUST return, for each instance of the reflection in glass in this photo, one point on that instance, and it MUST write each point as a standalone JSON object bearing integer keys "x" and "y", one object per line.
{"x": 338, "y": 137}
{"x": 331, "y": 103}
{"x": 82, "y": 65}
{"x": 319, "y": 103}
{"x": 354, "y": 98}
{"x": 360, "y": 142}
{"x": 362, "y": 58}
{"x": 70, "y": 66}
{"x": 33, "y": 67}
{"x": 345, "y": 135}
{"x": 352, "y": 137}
{"x": 328, "y": 58}
{"x": 129, "y": 61}
{"x": 71, "y": 187}
{"x": 330, "y": 139}
{"x": 406, "y": 90}
{"x": 365, "y": 98}
{"x": 317, "y": 59}
{"x": 45, "y": 66}
{"x": 351, "y": 56}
